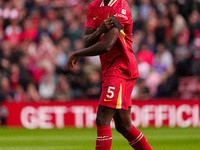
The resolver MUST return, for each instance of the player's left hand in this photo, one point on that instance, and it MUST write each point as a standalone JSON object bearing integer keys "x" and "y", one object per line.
{"x": 72, "y": 61}
{"x": 106, "y": 25}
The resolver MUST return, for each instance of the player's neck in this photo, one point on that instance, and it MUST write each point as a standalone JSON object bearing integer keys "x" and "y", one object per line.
{"x": 106, "y": 2}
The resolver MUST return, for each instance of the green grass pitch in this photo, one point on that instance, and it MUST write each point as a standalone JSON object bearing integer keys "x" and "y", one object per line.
{"x": 84, "y": 139}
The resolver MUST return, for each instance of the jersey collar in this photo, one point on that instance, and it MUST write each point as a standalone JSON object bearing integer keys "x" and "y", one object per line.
{"x": 111, "y": 3}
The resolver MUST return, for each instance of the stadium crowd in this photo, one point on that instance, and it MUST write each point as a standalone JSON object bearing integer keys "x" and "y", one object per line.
{"x": 37, "y": 37}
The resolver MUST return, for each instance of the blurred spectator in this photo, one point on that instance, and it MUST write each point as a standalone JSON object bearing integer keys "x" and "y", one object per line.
{"x": 195, "y": 47}
{"x": 5, "y": 89}
{"x": 3, "y": 114}
{"x": 1, "y": 29}
{"x": 145, "y": 55}
{"x": 88, "y": 68}
{"x": 14, "y": 76}
{"x": 189, "y": 87}
{"x": 185, "y": 7}
{"x": 20, "y": 95}
{"x": 138, "y": 23}
{"x": 152, "y": 82}
{"x": 57, "y": 31}
{"x": 42, "y": 29}
{"x": 164, "y": 29}
{"x": 168, "y": 88}
{"x": 183, "y": 56}
{"x": 8, "y": 11}
{"x": 5, "y": 60}
{"x": 152, "y": 21}
{"x": 133, "y": 8}
{"x": 140, "y": 91}
{"x": 137, "y": 40}
{"x": 163, "y": 59}
{"x": 151, "y": 42}
{"x": 144, "y": 9}
{"x": 63, "y": 90}
{"x": 94, "y": 85}
{"x": 29, "y": 32}
{"x": 32, "y": 93}
{"x": 13, "y": 32}
{"x": 193, "y": 24}
{"x": 144, "y": 69}
{"x": 65, "y": 45}
{"x": 73, "y": 31}
{"x": 47, "y": 87}
{"x": 198, "y": 89}
{"x": 77, "y": 81}
{"x": 60, "y": 57}
{"x": 178, "y": 22}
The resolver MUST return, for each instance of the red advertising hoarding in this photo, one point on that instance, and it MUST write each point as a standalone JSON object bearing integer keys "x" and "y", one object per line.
{"x": 158, "y": 113}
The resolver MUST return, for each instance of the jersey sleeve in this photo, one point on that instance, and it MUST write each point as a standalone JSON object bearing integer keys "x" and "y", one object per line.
{"x": 90, "y": 21}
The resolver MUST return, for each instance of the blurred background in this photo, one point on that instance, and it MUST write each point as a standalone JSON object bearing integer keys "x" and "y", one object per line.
{"x": 38, "y": 36}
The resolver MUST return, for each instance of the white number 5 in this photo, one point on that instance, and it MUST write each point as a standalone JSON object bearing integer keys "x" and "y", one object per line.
{"x": 110, "y": 92}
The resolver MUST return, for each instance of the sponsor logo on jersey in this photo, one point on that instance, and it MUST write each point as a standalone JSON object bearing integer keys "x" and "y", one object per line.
{"x": 121, "y": 16}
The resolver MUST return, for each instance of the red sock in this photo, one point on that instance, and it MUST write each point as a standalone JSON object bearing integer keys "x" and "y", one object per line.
{"x": 136, "y": 139}
{"x": 104, "y": 138}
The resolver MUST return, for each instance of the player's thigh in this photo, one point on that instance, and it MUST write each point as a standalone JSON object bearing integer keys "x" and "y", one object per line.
{"x": 122, "y": 120}
{"x": 122, "y": 117}
{"x": 104, "y": 115}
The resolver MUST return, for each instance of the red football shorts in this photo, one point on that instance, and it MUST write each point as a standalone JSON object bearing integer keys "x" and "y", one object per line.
{"x": 116, "y": 93}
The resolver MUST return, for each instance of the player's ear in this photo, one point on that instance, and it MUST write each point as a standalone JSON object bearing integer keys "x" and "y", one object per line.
{"x": 116, "y": 22}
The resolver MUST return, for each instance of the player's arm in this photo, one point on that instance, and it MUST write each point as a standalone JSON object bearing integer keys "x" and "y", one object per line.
{"x": 97, "y": 49}
{"x": 91, "y": 35}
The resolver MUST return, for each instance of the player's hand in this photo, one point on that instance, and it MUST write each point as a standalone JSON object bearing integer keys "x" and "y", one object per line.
{"x": 106, "y": 25}
{"x": 72, "y": 60}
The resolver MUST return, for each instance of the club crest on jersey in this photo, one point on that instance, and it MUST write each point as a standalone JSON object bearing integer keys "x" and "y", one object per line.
{"x": 124, "y": 11}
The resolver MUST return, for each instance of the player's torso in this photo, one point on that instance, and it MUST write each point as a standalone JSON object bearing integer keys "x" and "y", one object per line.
{"x": 119, "y": 9}
{"x": 102, "y": 12}
{"x": 119, "y": 61}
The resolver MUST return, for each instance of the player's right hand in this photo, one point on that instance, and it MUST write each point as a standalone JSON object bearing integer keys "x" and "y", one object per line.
{"x": 106, "y": 25}
{"x": 72, "y": 61}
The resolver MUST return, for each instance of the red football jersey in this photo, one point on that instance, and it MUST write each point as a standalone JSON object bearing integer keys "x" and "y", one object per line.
{"x": 120, "y": 60}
